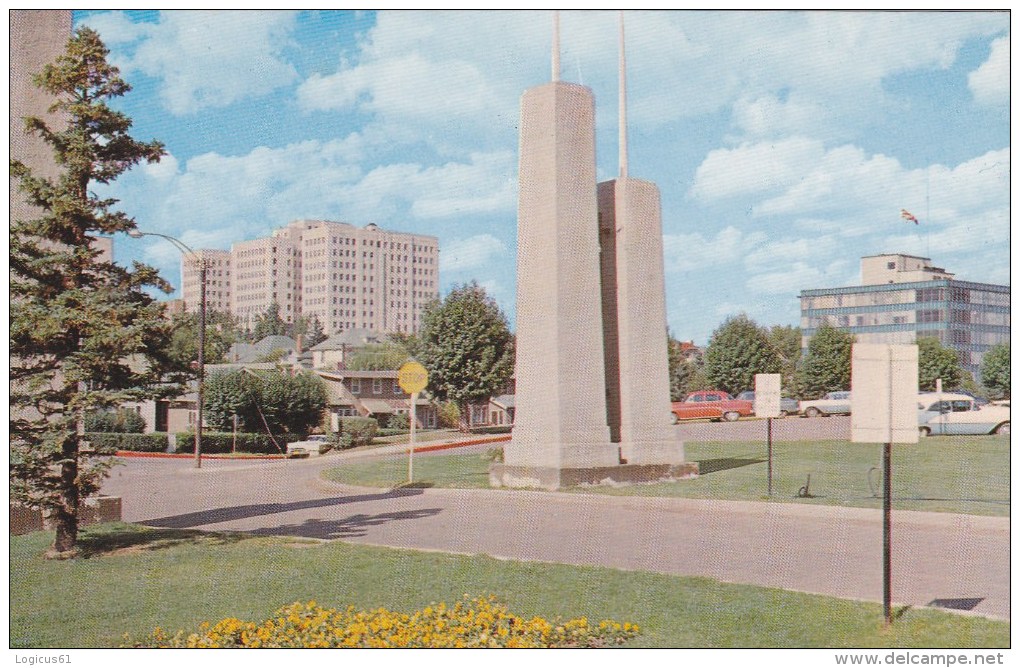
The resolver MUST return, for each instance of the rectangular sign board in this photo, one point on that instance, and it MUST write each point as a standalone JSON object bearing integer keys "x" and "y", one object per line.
{"x": 767, "y": 393}
{"x": 883, "y": 399}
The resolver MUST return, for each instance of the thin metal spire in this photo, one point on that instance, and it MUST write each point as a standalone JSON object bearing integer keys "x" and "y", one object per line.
{"x": 623, "y": 104}
{"x": 556, "y": 47}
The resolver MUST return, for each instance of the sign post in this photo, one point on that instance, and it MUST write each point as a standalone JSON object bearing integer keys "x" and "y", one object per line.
{"x": 883, "y": 409}
{"x": 412, "y": 378}
{"x": 767, "y": 395}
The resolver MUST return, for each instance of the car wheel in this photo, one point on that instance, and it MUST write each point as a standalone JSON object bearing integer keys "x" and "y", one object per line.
{"x": 812, "y": 412}
{"x": 783, "y": 414}
{"x": 731, "y": 416}
{"x": 675, "y": 419}
{"x": 1003, "y": 429}
{"x": 924, "y": 431}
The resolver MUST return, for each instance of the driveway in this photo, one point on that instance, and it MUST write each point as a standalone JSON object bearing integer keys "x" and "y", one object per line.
{"x": 960, "y": 560}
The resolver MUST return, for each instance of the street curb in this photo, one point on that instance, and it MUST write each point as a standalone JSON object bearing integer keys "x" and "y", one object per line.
{"x": 186, "y": 455}
{"x": 461, "y": 444}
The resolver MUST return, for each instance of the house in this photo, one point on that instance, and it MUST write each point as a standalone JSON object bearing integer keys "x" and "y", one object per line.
{"x": 375, "y": 394}
{"x": 333, "y": 353}
{"x": 248, "y": 353}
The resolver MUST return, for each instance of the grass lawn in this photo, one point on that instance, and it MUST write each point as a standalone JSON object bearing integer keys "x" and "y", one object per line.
{"x": 135, "y": 579}
{"x": 959, "y": 474}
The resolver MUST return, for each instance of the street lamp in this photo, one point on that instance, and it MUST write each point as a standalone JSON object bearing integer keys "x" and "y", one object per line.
{"x": 188, "y": 252}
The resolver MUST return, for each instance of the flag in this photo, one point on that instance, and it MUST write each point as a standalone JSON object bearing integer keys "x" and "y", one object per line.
{"x": 907, "y": 216}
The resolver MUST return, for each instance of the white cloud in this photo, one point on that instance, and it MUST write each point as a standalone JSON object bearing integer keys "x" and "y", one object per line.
{"x": 116, "y": 28}
{"x": 207, "y": 58}
{"x": 769, "y": 116}
{"x": 754, "y": 168}
{"x": 471, "y": 253}
{"x": 686, "y": 252}
{"x": 990, "y": 82}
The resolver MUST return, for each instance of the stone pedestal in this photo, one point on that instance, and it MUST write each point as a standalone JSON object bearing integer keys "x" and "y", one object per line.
{"x": 538, "y": 477}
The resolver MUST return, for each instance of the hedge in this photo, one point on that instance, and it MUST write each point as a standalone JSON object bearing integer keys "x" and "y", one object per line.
{"x": 493, "y": 429}
{"x": 156, "y": 442}
{"x": 356, "y": 431}
{"x": 219, "y": 442}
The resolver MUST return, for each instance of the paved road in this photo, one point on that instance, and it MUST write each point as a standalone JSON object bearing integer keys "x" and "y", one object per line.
{"x": 834, "y": 551}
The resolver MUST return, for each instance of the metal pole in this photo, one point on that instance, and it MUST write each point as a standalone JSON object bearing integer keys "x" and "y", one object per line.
{"x": 410, "y": 454}
{"x": 768, "y": 421}
{"x": 887, "y": 532}
{"x": 201, "y": 361}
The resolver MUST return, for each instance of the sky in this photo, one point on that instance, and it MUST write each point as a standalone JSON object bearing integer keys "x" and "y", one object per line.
{"x": 784, "y": 144}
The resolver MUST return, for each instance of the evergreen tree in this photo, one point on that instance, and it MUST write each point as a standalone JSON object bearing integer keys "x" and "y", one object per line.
{"x": 466, "y": 346}
{"x": 826, "y": 366}
{"x": 737, "y": 351}
{"x": 935, "y": 361}
{"x": 269, "y": 323}
{"x": 995, "y": 370}
{"x": 76, "y": 321}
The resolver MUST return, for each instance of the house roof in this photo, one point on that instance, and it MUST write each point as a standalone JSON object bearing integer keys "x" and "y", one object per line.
{"x": 352, "y": 338}
{"x": 249, "y": 352}
{"x": 504, "y": 400}
{"x": 377, "y": 405}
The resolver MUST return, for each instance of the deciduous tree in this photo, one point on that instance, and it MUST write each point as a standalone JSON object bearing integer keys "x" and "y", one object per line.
{"x": 84, "y": 334}
{"x": 466, "y": 346}
{"x": 935, "y": 361}
{"x": 995, "y": 370}
{"x": 826, "y": 366}
{"x": 737, "y": 351}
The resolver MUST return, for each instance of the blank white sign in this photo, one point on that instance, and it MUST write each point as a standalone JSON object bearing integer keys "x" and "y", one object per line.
{"x": 767, "y": 392}
{"x": 883, "y": 401}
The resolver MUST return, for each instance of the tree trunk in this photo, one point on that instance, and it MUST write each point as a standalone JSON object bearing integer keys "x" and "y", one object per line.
{"x": 465, "y": 417}
{"x": 65, "y": 518}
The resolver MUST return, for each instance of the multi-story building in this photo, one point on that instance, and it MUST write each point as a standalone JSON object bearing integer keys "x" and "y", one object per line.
{"x": 904, "y": 297}
{"x": 346, "y": 277}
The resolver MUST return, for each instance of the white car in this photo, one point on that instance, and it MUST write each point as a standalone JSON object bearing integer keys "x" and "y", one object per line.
{"x": 314, "y": 445}
{"x": 949, "y": 413}
{"x": 833, "y": 403}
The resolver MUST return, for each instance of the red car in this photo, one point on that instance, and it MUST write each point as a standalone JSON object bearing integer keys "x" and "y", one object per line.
{"x": 711, "y": 405}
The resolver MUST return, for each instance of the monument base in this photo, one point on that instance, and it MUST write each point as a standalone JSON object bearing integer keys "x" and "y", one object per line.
{"x": 548, "y": 477}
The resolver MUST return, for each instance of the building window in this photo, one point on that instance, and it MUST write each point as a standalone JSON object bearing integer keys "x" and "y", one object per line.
{"x": 355, "y": 386}
{"x": 396, "y": 387}
{"x": 377, "y": 386}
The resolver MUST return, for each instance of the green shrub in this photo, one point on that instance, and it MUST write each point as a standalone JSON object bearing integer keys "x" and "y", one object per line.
{"x": 449, "y": 415}
{"x": 216, "y": 442}
{"x": 120, "y": 421}
{"x": 355, "y": 431}
{"x": 399, "y": 422}
{"x": 108, "y": 442}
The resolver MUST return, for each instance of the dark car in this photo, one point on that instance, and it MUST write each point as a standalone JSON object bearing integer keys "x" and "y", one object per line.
{"x": 787, "y": 406}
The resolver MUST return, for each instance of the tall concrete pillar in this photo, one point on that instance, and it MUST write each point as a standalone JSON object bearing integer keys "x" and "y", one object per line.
{"x": 560, "y": 418}
{"x": 633, "y": 293}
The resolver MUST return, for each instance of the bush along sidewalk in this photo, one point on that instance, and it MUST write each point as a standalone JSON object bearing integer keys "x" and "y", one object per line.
{"x": 481, "y": 622}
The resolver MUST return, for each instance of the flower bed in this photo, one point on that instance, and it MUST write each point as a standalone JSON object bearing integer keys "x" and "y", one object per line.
{"x": 482, "y": 622}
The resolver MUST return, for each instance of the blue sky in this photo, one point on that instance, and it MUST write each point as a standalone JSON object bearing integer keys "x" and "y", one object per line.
{"x": 784, "y": 143}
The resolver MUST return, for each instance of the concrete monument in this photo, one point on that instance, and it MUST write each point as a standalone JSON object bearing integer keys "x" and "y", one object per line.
{"x": 592, "y": 388}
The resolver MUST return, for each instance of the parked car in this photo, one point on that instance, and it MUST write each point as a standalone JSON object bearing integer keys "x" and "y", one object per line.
{"x": 833, "y": 403}
{"x": 313, "y": 445}
{"x": 787, "y": 406}
{"x": 951, "y": 413}
{"x": 711, "y": 405}
{"x": 980, "y": 401}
